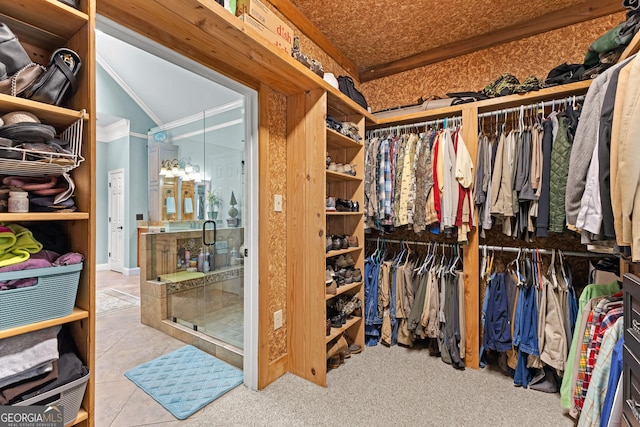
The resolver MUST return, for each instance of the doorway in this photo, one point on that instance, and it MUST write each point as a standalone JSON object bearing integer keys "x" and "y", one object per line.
{"x": 116, "y": 220}
{"x": 189, "y": 207}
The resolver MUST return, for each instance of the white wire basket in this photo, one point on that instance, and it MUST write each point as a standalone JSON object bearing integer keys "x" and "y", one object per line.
{"x": 37, "y": 163}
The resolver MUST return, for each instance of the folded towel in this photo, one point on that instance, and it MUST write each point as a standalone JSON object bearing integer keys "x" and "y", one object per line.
{"x": 14, "y": 257}
{"x": 14, "y": 392}
{"x": 24, "y": 239}
{"x": 69, "y": 259}
{"x": 27, "y": 351}
{"x": 7, "y": 238}
{"x": 28, "y": 374}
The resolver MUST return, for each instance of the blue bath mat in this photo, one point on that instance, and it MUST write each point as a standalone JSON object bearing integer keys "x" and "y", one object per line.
{"x": 185, "y": 380}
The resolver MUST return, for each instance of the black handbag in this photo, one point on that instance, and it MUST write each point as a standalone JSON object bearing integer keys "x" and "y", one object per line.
{"x": 58, "y": 83}
{"x": 346, "y": 86}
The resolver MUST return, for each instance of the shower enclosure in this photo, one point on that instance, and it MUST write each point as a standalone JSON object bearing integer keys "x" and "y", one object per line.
{"x": 197, "y": 199}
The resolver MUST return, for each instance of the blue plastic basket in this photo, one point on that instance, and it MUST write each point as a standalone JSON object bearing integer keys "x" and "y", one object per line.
{"x": 53, "y": 296}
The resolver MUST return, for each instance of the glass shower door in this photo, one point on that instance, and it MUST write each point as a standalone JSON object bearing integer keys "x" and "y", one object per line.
{"x": 224, "y": 140}
{"x": 206, "y": 236}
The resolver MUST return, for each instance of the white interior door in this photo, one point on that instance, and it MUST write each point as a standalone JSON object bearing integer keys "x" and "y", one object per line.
{"x": 116, "y": 220}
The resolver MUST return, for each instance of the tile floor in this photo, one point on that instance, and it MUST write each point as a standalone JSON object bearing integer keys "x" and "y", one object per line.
{"x": 122, "y": 342}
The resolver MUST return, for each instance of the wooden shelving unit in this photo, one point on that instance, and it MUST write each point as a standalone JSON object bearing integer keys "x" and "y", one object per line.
{"x": 308, "y": 301}
{"x": 43, "y": 26}
{"x": 343, "y": 289}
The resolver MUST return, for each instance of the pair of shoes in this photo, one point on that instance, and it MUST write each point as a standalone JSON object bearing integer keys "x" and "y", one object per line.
{"x": 334, "y": 362}
{"x": 347, "y": 168}
{"x": 351, "y": 130}
{"x": 338, "y": 320}
{"x": 352, "y": 349}
{"x": 331, "y": 204}
{"x": 343, "y": 205}
{"x": 351, "y": 306}
{"x": 329, "y": 243}
{"x": 336, "y": 243}
{"x": 345, "y": 261}
{"x": 353, "y": 241}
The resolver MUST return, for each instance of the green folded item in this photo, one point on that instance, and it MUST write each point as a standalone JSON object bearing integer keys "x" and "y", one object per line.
{"x": 24, "y": 239}
{"x": 14, "y": 257}
{"x": 7, "y": 238}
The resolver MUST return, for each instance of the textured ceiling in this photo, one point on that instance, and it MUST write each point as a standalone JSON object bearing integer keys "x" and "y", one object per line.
{"x": 374, "y": 32}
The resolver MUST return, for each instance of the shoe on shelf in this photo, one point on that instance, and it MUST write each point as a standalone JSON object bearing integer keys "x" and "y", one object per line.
{"x": 348, "y": 277}
{"x": 353, "y": 241}
{"x": 333, "y": 167}
{"x": 351, "y": 305}
{"x": 343, "y": 205}
{"x": 329, "y": 243}
{"x": 328, "y": 160}
{"x": 349, "y": 260}
{"x": 331, "y": 288}
{"x": 357, "y": 275}
{"x": 338, "y": 320}
{"x": 345, "y": 242}
{"x": 342, "y": 261}
{"x": 337, "y": 243}
{"x": 328, "y": 326}
{"x": 348, "y": 169}
{"x": 330, "y": 274}
{"x": 355, "y": 207}
{"x": 339, "y": 168}
{"x": 331, "y": 204}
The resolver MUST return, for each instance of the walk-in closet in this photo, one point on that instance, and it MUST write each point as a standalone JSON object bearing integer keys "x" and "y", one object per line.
{"x": 433, "y": 220}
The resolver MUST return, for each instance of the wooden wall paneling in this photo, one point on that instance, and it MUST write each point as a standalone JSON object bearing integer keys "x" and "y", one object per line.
{"x": 305, "y": 234}
{"x": 296, "y": 154}
{"x": 550, "y": 21}
{"x": 471, "y": 262}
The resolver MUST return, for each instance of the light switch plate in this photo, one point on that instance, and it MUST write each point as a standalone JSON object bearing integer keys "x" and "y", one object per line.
{"x": 277, "y": 203}
{"x": 277, "y": 320}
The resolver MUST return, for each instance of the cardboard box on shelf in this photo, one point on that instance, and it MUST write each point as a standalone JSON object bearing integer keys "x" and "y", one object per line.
{"x": 264, "y": 32}
{"x": 266, "y": 17}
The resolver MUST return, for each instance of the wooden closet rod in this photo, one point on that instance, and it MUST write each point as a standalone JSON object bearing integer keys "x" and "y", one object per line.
{"x": 544, "y": 251}
{"x": 536, "y": 105}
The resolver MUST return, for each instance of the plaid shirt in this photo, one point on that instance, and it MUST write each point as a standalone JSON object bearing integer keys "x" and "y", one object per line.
{"x": 606, "y": 312}
{"x": 595, "y": 397}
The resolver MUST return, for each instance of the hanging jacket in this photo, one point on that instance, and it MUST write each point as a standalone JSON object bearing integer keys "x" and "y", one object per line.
{"x": 585, "y": 140}
{"x": 497, "y": 331}
{"x": 542, "y": 221}
{"x": 559, "y": 169}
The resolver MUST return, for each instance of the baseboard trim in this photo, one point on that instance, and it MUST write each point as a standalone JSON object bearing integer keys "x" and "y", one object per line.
{"x": 131, "y": 271}
{"x": 102, "y": 267}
